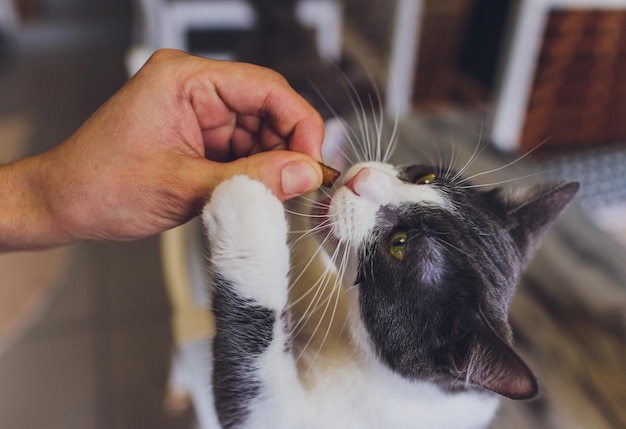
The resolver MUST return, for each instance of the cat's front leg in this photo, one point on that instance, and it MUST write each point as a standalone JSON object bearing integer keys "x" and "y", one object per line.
{"x": 249, "y": 259}
{"x": 247, "y": 233}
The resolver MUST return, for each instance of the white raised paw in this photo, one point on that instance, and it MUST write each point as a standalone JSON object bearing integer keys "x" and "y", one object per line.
{"x": 247, "y": 234}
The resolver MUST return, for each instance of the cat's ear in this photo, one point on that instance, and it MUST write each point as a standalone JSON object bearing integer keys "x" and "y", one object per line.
{"x": 532, "y": 217}
{"x": 484, "y": 359}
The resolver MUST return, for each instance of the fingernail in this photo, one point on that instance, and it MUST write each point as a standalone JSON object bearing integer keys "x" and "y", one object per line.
{"x": 299, "y": 177}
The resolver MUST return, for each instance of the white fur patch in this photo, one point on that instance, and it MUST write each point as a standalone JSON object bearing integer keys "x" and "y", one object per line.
{"x": 366, "y": 188}
{"x": 356, "y": 395}
{"x": 247, "y": 230}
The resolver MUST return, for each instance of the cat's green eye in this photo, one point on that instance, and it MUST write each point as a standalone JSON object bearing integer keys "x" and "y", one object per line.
{"x": 426, "y": 179}
{"x": 397, "y": 246}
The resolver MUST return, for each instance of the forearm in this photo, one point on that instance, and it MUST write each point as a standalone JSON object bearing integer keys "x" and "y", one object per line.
{"x": 27, "y": 221}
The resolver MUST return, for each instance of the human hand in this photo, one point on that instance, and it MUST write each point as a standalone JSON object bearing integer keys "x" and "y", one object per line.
{"x": 149, "y": 158}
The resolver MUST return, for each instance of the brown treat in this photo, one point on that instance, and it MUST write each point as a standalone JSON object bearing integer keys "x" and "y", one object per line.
{"x": 330, "y": 175}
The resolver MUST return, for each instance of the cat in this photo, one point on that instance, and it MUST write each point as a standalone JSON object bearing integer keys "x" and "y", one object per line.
{"x": 419, "y": 268}
{"x": 384, "y": 305}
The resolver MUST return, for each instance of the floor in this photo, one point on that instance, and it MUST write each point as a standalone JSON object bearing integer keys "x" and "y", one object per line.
{"x": 99, "y": 355}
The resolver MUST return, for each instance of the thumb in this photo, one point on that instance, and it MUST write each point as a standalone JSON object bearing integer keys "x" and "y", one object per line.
{"x": 286, "y": 173}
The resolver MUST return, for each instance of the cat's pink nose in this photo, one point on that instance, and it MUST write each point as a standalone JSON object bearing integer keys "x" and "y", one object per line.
{"x": 356, "y": 182}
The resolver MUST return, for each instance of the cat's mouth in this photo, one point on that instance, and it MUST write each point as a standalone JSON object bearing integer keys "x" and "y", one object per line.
{"x": 320, "y": 219}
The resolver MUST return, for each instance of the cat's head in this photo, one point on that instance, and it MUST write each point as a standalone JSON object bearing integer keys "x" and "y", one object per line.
{"x": 435, "y": 263}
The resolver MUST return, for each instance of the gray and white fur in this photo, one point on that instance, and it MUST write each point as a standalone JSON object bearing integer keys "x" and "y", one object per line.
{"x": 427, "y": 265}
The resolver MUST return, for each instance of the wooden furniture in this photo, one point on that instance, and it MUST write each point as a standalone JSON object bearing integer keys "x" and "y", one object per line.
{"x": 563, "y": 78}
{"x": 166, "y": 23}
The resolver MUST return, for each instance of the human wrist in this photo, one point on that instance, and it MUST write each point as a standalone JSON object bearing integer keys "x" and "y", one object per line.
{"x": 26, "y": 219}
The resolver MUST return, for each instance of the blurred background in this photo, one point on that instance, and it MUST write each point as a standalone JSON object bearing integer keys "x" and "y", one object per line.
{"x": 85, "y": 331}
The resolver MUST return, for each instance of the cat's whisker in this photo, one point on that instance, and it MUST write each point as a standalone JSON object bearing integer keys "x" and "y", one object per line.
{"x": 440, "y": 161}
{"x": 433, "y": 143}
{"x": 353, "y": 138}
{"x": 335, "y": 290}
{"x": 351, "y": 135}
{"x": 327, "y": 193}
{"x": 308, "y": 215}
{"x": 309, "y": 199}
{"x": 349, "y": 160}
{"x": 309, "y": 202}
{"x": 502, "y": 182}
{"x": 377, "y": 124}
{"x": 348, "y": 131}
{"x": 477, "y": 152}
{"x": 314, "y": 304}
{"x": 303, "y": 203}
{"x": 320, "y": 286}
{"x": 335, "y": 306}
{"x": 441, "y": 158}
{"x": 361, "y": 118}
{"x": 513, "y": 162}
{"x": 451, "y": 159}
{"x": 308, "y": 264}
{"x": 450, "y": 174}
{"x": 366, "y": 141}
{"x": 326, "y": 223}
{"x": 447, "y": 243}
{"x": 349, "y": 288}
{"x": 306, "y": 212}
{"x": 327, "y": 300}
{"x": 310, "y": 231}
{"x": 378, "y": 115}
{"x": 393, "y": 139}
{"x": 327, "y": 270}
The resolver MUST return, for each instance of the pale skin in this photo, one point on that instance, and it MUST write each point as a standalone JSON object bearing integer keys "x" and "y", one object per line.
{"x": 149, "y": 158}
